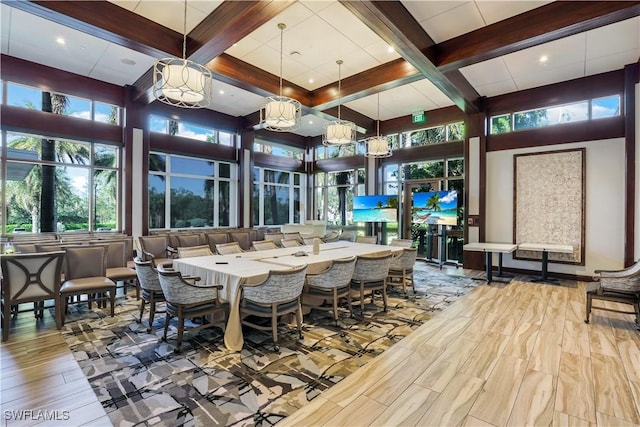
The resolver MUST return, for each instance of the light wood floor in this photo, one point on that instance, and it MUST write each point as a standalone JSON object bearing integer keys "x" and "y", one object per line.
{"x": 517, "y": 354}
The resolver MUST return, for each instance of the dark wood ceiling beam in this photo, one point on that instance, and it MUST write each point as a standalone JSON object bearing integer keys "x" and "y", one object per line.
{"x": 392, "y": 22}
{"x": 541, "y": 25}
{"x": 108, "y": 22}
{"x": 228, "y": 24}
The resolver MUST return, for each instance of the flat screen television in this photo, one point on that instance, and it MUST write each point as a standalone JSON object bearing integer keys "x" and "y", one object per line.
{"x": 435, "y": 207}
{"x": 375, "y": 209}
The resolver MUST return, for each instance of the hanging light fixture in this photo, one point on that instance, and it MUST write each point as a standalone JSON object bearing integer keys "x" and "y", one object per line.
{"x": 339, "y": 132}
{"x": 181, "y": 82}
{"x": 377, "y": 146}
{"x": 280, "y": 113}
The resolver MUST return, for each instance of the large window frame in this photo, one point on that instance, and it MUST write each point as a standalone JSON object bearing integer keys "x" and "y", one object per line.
{"x": 268, "y": 181}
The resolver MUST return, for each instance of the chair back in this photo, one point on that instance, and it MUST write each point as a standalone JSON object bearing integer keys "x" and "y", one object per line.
{"x": 31, "y": 277}
{"x": 147, "y": 275}
{"x": 372, "y": 268}
{"x": 228, "y": 248}
{"x": 348, "y": 235}
{"x": 154, "y": 245}
{"x": 263, "y": 245}
{"x": 337, "y": 276}
{"x": 117, "y": 251}
{"x": 290, "y": 243}
{"x": 331, "y": 236}
{"x": 276, "y": 238}
{"x": 404, "y": 261}
{"x": 405, "y": 243}
{"x": 243, "y": 238}
{"x": 193, "y": 251}
{"x": 25, "y": 248}
{"x": 367, "y": 239}
{"x": 188, "y": 240}
{"x": 85, "y": 261}
{"x": 280, "y": 286}
{"x": 177, "y": 291}
{"x": 217, "y": 238}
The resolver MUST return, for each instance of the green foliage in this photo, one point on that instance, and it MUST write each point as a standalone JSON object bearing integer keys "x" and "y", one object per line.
{"x": 501, "y": 124}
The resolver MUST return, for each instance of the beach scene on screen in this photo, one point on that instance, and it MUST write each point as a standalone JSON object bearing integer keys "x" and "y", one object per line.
{"x": 435, "y": 207}
{"x": 375, "y": 209}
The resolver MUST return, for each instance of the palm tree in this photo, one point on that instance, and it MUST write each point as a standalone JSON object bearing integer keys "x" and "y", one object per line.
{"x": 434, "y": 204}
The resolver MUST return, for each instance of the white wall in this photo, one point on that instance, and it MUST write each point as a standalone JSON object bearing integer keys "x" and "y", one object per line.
{"x": 604, "y": 216}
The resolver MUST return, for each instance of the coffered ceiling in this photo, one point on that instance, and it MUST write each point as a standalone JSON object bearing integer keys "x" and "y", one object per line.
{"x": 413, "y": 55}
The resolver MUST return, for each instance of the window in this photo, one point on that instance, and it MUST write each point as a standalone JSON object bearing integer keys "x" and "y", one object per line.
{"x": 277, "y": 197}
{"x": 608, "y": 106}
{"x": 334, "y": 193}
{"x": 261, "y": 146}
{"x": 187, "y": 130}
{"x": 59, "y": 185}
{"x": 182, "y": 192}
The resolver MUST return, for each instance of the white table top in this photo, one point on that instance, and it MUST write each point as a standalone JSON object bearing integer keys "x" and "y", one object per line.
{"x": 490, "y": 247}
{"x": 539, "y": 247}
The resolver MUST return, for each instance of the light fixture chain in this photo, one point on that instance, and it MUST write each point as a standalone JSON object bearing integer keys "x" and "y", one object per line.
{"x": 281, "y": 49}
{"x": 184, "y": 33}
{"x": 378, "y": 123}
{"x": 339, "y": 87}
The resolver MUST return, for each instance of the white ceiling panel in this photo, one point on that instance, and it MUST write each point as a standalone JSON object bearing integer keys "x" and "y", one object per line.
{"x": 431, "y": 92}
{"x": 497, "y": 88}
{"x": 603, "y": 64}
{"x": 544, "y": 76}
{"x": 613, "y": 38}
{"x": 494, "y": 11}
{"x": 423, "y": 10}
{"x": 453, "y": 22}
{"x": 486, "y": 72}
{"x": 5, "y": 25}
{"x": 559, "y": 53}
{"x": 114, "y": 66}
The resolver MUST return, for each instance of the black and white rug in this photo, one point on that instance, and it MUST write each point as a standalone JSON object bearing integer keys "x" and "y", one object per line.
{"x": 140, "y": 381}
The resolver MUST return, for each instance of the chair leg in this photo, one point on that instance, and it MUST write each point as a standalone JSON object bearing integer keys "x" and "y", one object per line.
{"x": 6, "y": 321}
{"x": 274, "y": 327}
{"x": 299, "y": 318}
{"x": 349, "y": 303}
{"x": 180, "y": 332}
{"x": 166, "y": 326}
{"x": 384, "y": 297}
{"x": 588, "y": 308}
{"x": 637, "y": 309}
{"x": 361, "y": 297}
{"x": 112, "y": 298}
{"x": 152, "y": 313}
{"x": 58, "y": 311}
{"x": 335, "y": 305}
{"x": 142, "y": 304}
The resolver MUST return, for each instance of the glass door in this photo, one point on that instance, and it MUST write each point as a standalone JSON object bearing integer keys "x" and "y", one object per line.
{"x": 425, "y": 235}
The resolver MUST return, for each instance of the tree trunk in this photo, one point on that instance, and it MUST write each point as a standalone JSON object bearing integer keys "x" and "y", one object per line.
{"x": 48, "y": 217}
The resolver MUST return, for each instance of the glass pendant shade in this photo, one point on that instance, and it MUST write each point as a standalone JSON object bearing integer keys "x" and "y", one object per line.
{"x": 182, "y": 83}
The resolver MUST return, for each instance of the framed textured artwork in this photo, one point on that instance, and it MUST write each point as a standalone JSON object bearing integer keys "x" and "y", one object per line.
{"x": 549, "y": 203}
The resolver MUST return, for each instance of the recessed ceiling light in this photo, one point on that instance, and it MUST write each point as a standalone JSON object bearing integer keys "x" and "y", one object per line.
{"x": 310, "y": 122}
{"x": 221, "y": 92}
{"x": 128, "y": 61}
{"x": 311, "y": 80}
{"x": 59, "y": 40}
{"x": 390, "y": 49}
{"x": 544, "y": 58}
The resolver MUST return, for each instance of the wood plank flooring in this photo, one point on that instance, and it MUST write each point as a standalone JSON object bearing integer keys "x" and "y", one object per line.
{"x": 507, "y": 354}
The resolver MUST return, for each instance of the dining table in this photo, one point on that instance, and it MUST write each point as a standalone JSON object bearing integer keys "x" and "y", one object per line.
{"x": 252, "y": 267}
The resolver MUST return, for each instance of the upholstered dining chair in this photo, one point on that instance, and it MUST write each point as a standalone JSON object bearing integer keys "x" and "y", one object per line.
{"x": 242, "y": 237}
{"x": 30, "y": 278}
{"x": 229, "y": 248}
{"x": 290, "y": 243}
{"x": 618, "y": 286}
{"x": 277, "y": 295}
{"x": 151, "y": 289}
{"x": 370, "y": 275}
{"x": 189, "y": 300}
{"x": 263, "y": 245}
{"x": 156, "y": 249}
{"x": 85, "y": 273}
{"x": 188, "y": 240}
{"x": 367, "y": 239}
{"x": 276, "y": 238}
{"x": 118, "y": 252}
{"x": 401, "y": 270}
{"x": 331, "y": 236}
{"x": 193, "y": 251}
{"x": 217, "y": 238}
{"x": 404, "y": 243}
{"x": 331, "y": 285}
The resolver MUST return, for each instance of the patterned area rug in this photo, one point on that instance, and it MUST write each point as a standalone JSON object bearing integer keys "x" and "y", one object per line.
{"x": 140, "y": 381}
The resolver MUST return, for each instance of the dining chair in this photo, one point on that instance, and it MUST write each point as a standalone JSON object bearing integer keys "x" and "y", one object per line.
{"x": 370, "y": 275}
{"x": 85, "y": 273}
{"x": 276, "y": 238}
{"x": 401, "y": 270}
{"x": 367, "y": 239}
{"x": 331, "y": 236}
{"x": 217, "y": 238}
{"x": 156, "y": 249}
{"x": 331, "y": 285}
{"x": 348, "y": 235}
{"x": 290, "y": 243}
{"x": 228, "y": 248}
{"x": 277, "y": 295}
{"x": 188, "y": 300}
{"x": 30, "y": 278}
{"x": 263, "y": 245}
{"x": 118, "y": 252}
{"x": 188, "y": 240}
{"x": 405, "y": 243}
{"x": 243, "y": 238}
{"x": 619, "y": 286}
{"x": 194, "y": 251}
{"x": 151, "y": 289}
